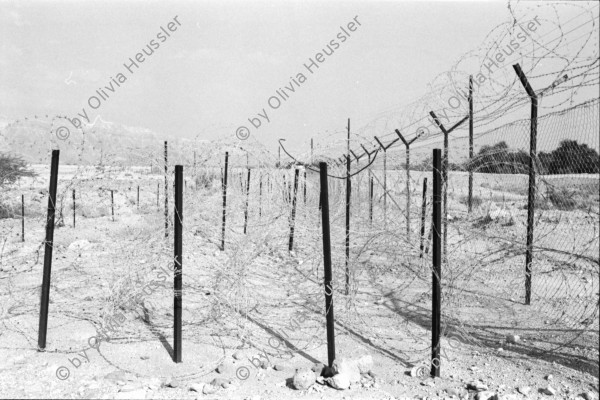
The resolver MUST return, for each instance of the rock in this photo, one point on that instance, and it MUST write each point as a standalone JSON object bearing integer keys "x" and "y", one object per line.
{"x": 485, "y": 395}
{"x": 144, "y": 357}
{"x": 347, "y": 367}
{"x": 238, "y": 355}
{"x": 548, "y": 377}
{"x": 524, "y": 390}
{"x": 220, "y": 382}
{"x": 549, "y": 390}
{"x": 365, "y": 364}
{"x": 372, "y": 374}
{"x": 118, "y": 377}
{"x": 478, "y": 386}
{"x": 339, "y": 381}
{"x": 588, "y": 396}
{"x": 279, "y": 367}
{"x": 453, "y": 392}
{"x": 317, "y": 368}
{"x": 226, "y": 367}
{"x": 173, "y": 383}
{"x": 513, "y": 338}
{"x": 303, "y": 379}
{"x": 320, "y": 380}
{"x": 209, "y": 389}
{"x": 153, "y": 383}
{"x": 197, "y": 387}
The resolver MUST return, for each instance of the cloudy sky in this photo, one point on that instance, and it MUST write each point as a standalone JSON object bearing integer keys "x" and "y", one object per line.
{"x": 224, "y": 60}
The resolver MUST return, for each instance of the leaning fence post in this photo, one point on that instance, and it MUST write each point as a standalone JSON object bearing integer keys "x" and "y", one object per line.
{"x": 247, "y": 201}
{"x": 178, "y": 249}
{"x": 437, "y": 264}
{"x": 328, "y": 276}
{"x": 293, "y": 216}
{"x": 423, "y": 213}
{"x": 531, "y": 192}
{"x": 48, "y": 246}
{"x": 224, "y": 201}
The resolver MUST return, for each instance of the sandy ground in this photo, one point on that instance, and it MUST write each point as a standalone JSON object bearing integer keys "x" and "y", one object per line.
{"x": 260, "y": 302}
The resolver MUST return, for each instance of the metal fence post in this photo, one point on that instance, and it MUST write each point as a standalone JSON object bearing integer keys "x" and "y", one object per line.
{"x": 178, "y": 249}
{"x": 531, "y": 191}
{"x": 293, "y": 216}
{"x": 328, "y": 276}
{"x": 247, "y": 201}
{"x": 224, "y": 201}
{"x": 166, "y": 193}
{"x": 437, "y": 263}
{"x": 48, "y": 247}
{"x": 423, "y": 214}
{"x": 470, "y": 198}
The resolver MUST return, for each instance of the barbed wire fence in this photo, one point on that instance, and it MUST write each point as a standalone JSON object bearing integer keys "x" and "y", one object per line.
{"x": 244, "y": 290}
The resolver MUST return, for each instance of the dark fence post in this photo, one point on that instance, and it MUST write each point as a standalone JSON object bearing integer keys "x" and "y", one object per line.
{"x": 112, "y": 205}
{"x": 178, "y": 216}
{"x": 22, "y": 218}
{"x": 260, "y": 196}
{"x": 166, "y": 193}
{"x": 446, "y": 133}
{"x": 531, "y": 191}
{"x": 138, "y": 197}
{"x": 407, "y": 145}
{"x": 247, "y": 201}
{"x": 328, "y": 276}
{"x": 48, "y": 246}
{"x": 73, "y": 208}
{"x": 224, "y": 201}
{"x": 437, "y": 264}
{"x": 470, "y": 198}
{"x": 370, "y": 198}
{"x": 293, "y": 216}
{"x": 157, "y": 194}
{"x": 423, "y": 213}
{"x": 347, "y": 244}
{"x": 304, "y": 187}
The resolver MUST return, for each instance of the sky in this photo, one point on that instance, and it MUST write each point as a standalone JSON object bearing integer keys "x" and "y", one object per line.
{"x": 224, "y": 60}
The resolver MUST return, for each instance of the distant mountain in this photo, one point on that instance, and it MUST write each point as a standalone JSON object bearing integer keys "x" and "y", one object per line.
{"x": 108, "y": 143}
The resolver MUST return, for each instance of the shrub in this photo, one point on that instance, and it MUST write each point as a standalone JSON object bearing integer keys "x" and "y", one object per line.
{"x": 12, "y": 168}
{"x": 475, "y": 201}
{"x": 562, "y": 199}
{"x": 9, "y": 210}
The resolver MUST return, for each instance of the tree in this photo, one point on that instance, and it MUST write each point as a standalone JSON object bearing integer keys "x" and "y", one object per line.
{"x": 571, "y": 157}
{"x": 12, "y": 168}
{"x": 499, "y": 159}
